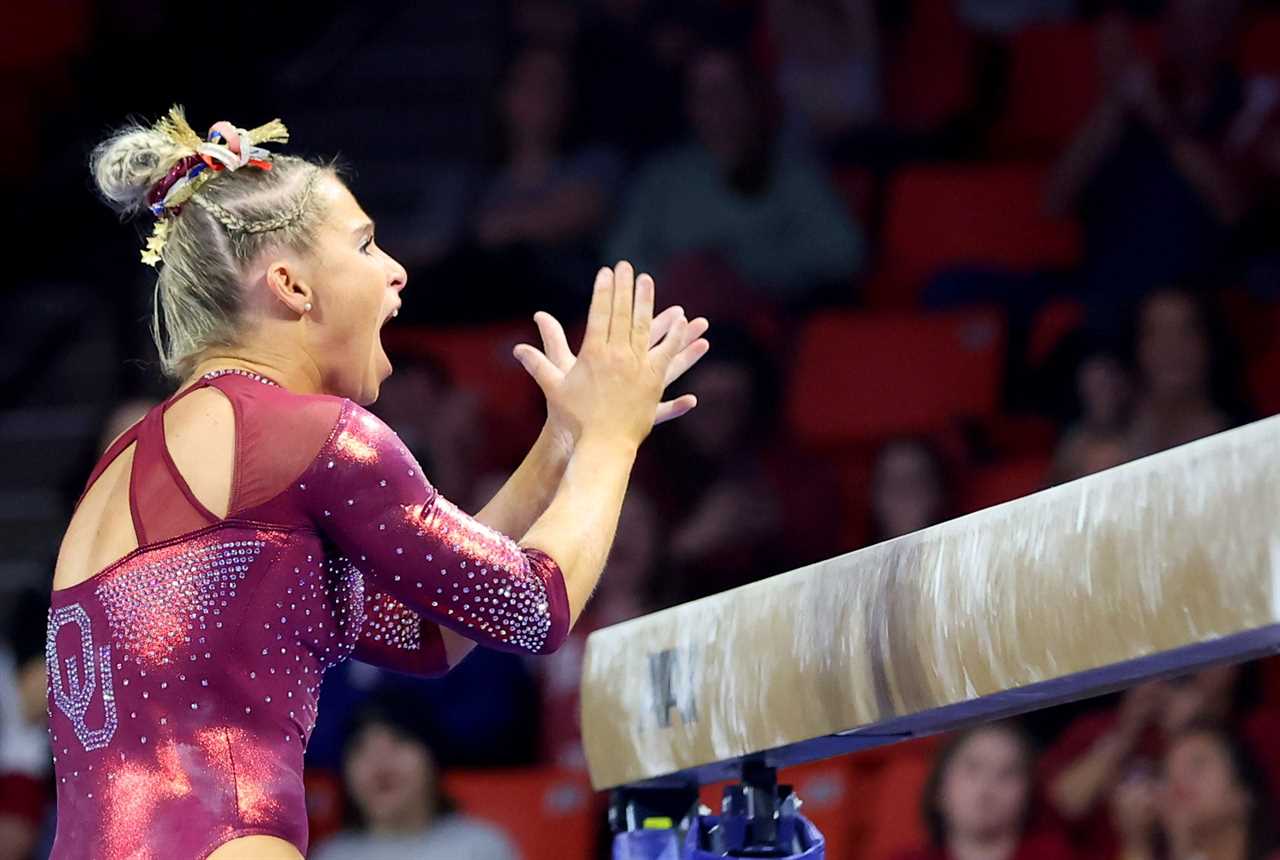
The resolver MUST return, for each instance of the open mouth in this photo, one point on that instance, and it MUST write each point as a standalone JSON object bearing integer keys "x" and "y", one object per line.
{"x": 390, "y": 315}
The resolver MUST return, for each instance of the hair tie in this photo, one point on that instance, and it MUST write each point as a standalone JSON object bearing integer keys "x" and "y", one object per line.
{"x": 230, "y": 148}
{"x": 227, "y": 147}
{"x": 184, "y": 170}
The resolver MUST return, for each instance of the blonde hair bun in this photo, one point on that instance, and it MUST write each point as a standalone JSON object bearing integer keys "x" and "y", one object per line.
{"x": 129, "y": 162}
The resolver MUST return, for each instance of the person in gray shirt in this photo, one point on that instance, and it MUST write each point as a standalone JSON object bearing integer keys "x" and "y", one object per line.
{"x": 392, "y": 781}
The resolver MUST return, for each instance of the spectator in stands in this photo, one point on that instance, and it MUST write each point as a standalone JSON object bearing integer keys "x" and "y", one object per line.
{"x": 1150, "y": 172}
{"x": 1188, "y": 381}
{"x": 910, "y": 488}
{"x": 625, "y": 592}
{"x": 392, "y": 779}
{"x": 657, "y": 38}
{"x": 1100, "y": 749}
{"x": 1210, "y": 802}
{"x": 739, "y": 502}
{"x": 828, "y": 71}
{"x": 1100, "y": 437}
{"x": 1257, "y": 727}
{"x": 1255, "y": 140}
{"x": 546, "y": 23}
{"x": 543, "y": 205}
{"x": 979, "y": 801}
{"x": 1001, "y": 17}
{"x": 435, "y": 225}
{"x": 728, "y": 221}
{"x": 25, "y": 789}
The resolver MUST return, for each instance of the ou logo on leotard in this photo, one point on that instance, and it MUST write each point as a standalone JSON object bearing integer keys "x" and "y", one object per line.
{"x": 74, "y": 699}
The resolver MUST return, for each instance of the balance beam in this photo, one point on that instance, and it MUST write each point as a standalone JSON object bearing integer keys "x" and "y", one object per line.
{"x": 1154, "y": 568}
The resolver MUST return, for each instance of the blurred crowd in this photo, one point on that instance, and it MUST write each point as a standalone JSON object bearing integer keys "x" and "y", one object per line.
{"x": 756, "y": 158}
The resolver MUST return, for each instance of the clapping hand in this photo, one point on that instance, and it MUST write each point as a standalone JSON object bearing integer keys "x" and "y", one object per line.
{"x": 556, "y": 359}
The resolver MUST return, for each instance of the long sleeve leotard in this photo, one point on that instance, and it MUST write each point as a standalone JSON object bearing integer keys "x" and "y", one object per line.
{"x": 183, "y": 678}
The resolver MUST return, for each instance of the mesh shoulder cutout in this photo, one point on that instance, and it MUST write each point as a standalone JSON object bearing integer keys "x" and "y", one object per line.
{"x": 278, "y": 434}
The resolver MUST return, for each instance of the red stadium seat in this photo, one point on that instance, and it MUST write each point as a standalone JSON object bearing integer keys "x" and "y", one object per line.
{"x": 326, "y": 803}
{"x": 549, "y": 814}
{"x": 994, "y": 485}
{"x": 1260, "y": 46}
{"x": 1269, "y": 681}
{"x": 857, "y": 186}
{"x": 44, "y": 34}
{"x": 19, "y": 110}
{"x": 1264, "y": 382}
{"x": 1264, "y": 363}
{"x": 833, "y": 799}
{"x": 479, "y": 358}
{"x": 1052, "y": 324}
{"x": 1053, "y": 85}
{"x": 1021, "y": 435}
{"x": 860, "y": 378}
{"x": 852, "y": 469}
{"x": 944, "y": 217}
{"x": 894, "y": 813}
{"x": 1253, "y": 322}
{"x": 931, "y": 75}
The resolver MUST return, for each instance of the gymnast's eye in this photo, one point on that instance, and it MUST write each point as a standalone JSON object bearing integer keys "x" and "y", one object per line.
{"x": 364, "y": 247}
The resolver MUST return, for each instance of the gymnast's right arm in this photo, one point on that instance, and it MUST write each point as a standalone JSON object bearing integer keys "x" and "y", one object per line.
{"x": 608, "y": 401}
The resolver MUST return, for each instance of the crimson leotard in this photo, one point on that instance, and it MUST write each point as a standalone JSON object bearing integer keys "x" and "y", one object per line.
{"x": 183, "y": 678}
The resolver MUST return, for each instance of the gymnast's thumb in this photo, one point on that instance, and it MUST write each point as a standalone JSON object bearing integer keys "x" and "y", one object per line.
{"x": 535, "y": 363}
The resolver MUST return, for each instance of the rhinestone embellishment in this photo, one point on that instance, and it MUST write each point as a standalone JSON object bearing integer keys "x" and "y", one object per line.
{"x": 214, "y": 374}
{"x": 155, "y": 608}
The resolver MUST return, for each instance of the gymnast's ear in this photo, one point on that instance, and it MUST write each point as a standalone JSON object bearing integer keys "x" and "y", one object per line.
{"x": 286, "y": 286}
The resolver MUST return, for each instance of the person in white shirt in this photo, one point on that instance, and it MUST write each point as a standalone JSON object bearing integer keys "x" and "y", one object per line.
{"x": 391, "y": 778}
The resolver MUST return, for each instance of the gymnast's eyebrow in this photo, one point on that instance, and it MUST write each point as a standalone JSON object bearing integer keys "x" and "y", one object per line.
{"x": 363, "y": 227}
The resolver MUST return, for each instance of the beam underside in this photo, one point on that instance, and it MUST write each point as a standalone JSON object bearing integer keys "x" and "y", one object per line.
{"x": 1230, "y": 649}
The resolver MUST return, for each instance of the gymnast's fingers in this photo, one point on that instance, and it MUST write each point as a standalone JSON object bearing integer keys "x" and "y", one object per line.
{"x": 687, "y": 357}
{"x": 538, "y": 366}
{"x": 662, "y": 323}
{"x": 624, "y": 282}
{"x": 642, "y": 316}
{"x": 601, "y": 306}
{"x": 554, "y": 341}
{"x": 665, "y": 352}
{"x": 672, "y": 409}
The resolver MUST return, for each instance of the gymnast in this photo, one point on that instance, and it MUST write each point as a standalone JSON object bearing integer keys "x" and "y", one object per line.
{"x": 260, "y": 525}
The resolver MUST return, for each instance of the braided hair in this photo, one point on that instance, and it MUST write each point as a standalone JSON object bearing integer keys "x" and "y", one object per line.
{"x": 209, "y": 246}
